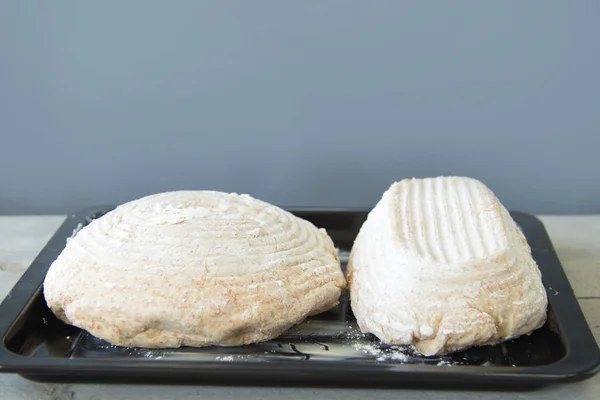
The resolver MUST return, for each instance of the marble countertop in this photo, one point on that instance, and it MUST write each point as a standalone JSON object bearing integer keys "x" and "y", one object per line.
{"x": 575, "y": 238}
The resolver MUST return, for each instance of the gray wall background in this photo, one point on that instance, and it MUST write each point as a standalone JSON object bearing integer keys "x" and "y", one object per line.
{"x": 298, "y": 102}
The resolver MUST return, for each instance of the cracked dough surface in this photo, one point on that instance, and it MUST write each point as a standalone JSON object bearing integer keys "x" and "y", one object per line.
{"x": 441, "y": 264}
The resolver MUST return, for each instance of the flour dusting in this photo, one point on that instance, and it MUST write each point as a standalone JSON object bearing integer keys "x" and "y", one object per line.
{"x": 393, "y": 353}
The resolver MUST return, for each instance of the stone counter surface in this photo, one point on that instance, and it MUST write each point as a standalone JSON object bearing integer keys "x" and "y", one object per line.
{"x": 575, "y": 238}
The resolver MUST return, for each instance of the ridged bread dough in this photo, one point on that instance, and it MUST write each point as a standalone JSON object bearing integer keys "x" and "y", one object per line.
{"x": 194, "y": 268}
{"x": 441, "y": 264}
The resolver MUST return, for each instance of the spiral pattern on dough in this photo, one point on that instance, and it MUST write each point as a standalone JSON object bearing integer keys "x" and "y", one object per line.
{"x": 194, "y": 268}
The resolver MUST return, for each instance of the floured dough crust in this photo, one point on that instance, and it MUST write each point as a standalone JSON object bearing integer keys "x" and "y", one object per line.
{"x": 440, "y": 264}
{"x": 194, "y": 268}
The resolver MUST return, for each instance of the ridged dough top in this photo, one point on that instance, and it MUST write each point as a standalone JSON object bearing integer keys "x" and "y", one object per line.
{"x": 194, "y": 268}
{"x": 440, "y": 263}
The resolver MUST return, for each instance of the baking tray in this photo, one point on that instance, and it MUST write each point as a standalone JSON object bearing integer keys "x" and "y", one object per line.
{"x": 327, "y": 349}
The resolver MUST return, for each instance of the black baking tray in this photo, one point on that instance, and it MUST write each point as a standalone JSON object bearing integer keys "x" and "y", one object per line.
{"x": 327, "y": 349}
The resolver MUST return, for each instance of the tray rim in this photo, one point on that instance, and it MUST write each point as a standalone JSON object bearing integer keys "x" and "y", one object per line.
{"x": 581, "y": 361}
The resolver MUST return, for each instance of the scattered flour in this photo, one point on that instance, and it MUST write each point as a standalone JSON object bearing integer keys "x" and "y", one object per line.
{"x": 390, "y": 354}
{"x": 157, "y": 355}
{"x": 353, "y": 333}
{"x": 224, "y": 358}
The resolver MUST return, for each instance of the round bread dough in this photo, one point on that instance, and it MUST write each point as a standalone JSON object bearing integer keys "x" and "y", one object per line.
{"x": 194, "y": 268}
